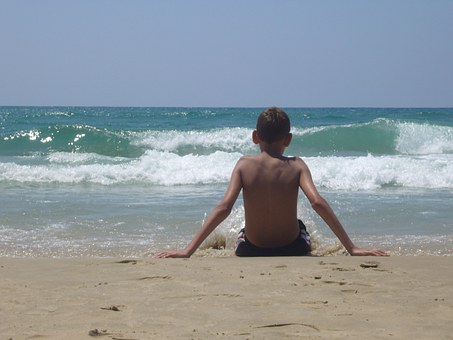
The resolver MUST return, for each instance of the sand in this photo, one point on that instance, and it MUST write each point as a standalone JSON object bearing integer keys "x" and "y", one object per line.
{"x": 337, "y": 297}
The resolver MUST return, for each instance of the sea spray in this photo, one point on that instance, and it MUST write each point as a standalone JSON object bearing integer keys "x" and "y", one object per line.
{"x": 424, "y": 139}
{"x": 169, "y": 169}
{"x": 196, "y": 142}
{"x": 225, "y": 235}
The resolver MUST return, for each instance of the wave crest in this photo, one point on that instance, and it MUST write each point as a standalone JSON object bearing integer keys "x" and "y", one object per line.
{"x": 166, "y": 168}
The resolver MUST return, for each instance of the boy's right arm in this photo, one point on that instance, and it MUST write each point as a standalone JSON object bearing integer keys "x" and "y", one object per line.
{"x": 324, "y": 210}
{"x": 218, "y": 214}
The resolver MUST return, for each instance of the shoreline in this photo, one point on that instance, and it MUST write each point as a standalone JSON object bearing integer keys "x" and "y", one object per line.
{"x": 212, "y": 297}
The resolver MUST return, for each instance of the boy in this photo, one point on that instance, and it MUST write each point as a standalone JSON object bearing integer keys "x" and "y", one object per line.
{"x": 270, "y": 184}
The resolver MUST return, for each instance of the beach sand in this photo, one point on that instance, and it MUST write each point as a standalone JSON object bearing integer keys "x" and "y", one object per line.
{"x": 338, "y": 297}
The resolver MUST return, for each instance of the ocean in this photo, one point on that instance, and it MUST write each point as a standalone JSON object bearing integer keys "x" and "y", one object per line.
{"x": 127, "y": 182}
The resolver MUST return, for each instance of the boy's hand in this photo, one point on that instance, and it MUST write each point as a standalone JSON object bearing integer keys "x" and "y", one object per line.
{"x": 368, "y": 252}
{"x": 172, "y": 254}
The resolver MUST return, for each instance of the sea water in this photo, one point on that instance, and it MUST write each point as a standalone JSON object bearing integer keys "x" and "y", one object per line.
{"x": 127, "y": 182}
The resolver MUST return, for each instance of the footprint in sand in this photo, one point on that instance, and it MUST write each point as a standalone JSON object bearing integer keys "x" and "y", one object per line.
{"x": 288, "y": 324}
{"x": 165, "y": 277}
{"x": 370, "y": 264}
{"x": 340, "y": 269}
{"x": 341, "y": 283}
{"x": 128, "y": 261}
{"x": 97, "y": 332}
{"x": 112, "y": 308}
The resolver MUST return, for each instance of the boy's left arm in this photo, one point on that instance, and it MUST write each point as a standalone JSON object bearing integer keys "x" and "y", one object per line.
{"x": 324, "y": 210}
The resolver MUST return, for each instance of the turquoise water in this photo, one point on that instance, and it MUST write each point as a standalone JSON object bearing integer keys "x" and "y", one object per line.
{"x": 83, "y": 181}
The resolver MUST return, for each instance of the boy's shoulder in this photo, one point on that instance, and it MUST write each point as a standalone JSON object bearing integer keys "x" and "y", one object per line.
{"x": 246, "y": 158}
{"x": 260, "y": 158}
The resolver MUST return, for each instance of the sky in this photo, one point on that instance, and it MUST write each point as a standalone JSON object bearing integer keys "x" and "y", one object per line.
{"x": 227, "y": 53}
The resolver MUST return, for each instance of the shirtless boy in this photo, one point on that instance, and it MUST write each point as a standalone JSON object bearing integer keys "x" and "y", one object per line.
{"x": 270, "y": 185}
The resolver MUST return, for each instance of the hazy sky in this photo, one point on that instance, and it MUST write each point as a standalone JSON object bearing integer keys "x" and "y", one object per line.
{"x": 227, "y": 53}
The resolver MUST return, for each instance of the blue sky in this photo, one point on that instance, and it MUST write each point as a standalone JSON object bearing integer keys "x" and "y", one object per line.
{"x": 298, "y": 53}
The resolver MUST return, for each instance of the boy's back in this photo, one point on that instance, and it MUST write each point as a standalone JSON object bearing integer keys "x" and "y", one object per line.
{"x": 270, "y": 187}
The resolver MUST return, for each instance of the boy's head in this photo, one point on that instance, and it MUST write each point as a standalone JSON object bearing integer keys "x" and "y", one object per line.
{"x": 272, "y": 125}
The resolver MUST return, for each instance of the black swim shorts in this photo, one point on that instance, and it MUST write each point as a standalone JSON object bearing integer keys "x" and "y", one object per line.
{"x": 299, "y": 247}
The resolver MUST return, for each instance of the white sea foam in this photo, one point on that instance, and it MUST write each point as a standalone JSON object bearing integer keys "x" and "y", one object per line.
{"x": 228, "y": 139}
{"x": 365, "y": 173}
{"x": 154, "y": 167}
{"x": 170, "y": 169}
{"x": 167, "y": 168}
{"x": 424, "y": 139}
{"x": 59, "y": 113}
{"x": 82, "y": 158}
